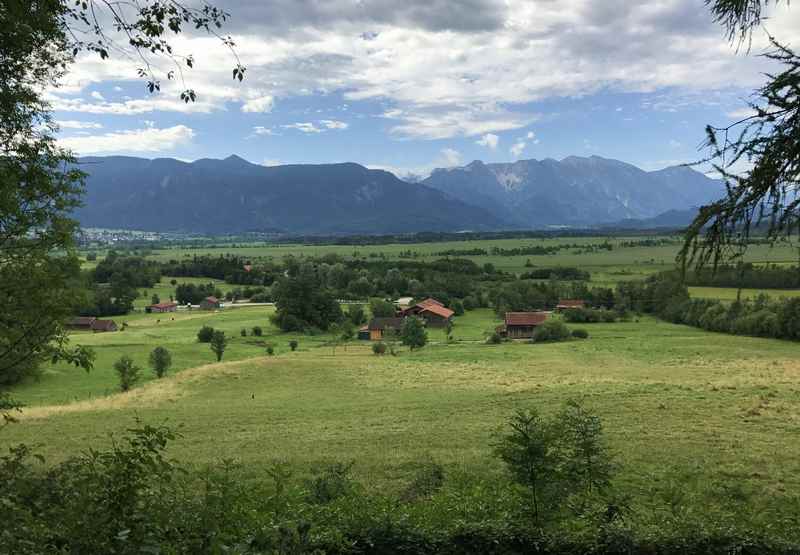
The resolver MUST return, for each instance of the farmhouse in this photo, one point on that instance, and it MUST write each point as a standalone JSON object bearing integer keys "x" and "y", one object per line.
{"x": 569, "y": 304}
{"x": 81, "y": 323}
{"x": 210, "y": 303}
{"x": 379, "y": 327}
{"x": 163, "y": 307}
{"x": 520, "y": 325}
{"x": 104, "y": 325}
{"x": 436, "y": 315}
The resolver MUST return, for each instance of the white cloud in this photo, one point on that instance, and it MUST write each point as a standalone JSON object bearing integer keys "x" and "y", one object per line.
{"x": 448, "y": 158}
{"x": 260, "y": 104}
{"x": 492, "y": 59}
{"x": 117, "y": 88}
{"x": 305, "y": 127}
{"x": 530, "y": 135}
{"x": 149, "y": 139}
{"x": 74, "y": 124}
{"x": 261, "y": 130}
{"x": 97, "y": 96}
{"x": 489, "y": 140}
{"x": 517, "y": 148}
{"x": 674, "y": 144}
{"x": 271, "y": 162}
{"x": 334, "y": 124}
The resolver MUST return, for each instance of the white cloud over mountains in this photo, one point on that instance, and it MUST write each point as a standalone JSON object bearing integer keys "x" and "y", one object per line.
{"x": 443, "y": 68}
{"x": 148, "y": 139}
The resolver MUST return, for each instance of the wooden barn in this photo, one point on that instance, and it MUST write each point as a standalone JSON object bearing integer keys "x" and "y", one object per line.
{"x": 420, "y": 306}
{"x": 210, "y": 303}
{"x": 436, "y": 316}
{"x": 378, "y": 327}
{"x": 520, "y": 325}
{"x": 104, "y": 325}
{"x": 81, "y": 323}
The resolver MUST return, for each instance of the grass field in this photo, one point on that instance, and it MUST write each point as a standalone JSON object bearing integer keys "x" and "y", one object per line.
{"x": 607, "y": 267}
{"x": 677, "y": 403}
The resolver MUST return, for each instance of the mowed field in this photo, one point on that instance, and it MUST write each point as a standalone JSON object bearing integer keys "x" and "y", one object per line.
{"x": 718, "y": 412}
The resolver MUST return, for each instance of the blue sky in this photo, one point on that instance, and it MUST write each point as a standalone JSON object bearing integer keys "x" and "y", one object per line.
{"x": 430, "y": 84}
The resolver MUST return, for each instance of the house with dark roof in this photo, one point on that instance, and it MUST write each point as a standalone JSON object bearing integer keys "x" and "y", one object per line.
{"x": 520, "y": 325}
{"x": 210, "y": 303}
{"x": 104, "y": 325}
{"x": 380, "y": 327}
{"x": 81, "y": 323}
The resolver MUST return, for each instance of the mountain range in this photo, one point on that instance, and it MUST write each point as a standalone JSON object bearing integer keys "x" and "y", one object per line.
{"x": 234, "y": 196}
{"x": 575, "y": 191}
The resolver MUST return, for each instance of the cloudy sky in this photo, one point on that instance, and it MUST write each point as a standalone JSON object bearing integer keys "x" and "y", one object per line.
{"x": 418, "y": 84}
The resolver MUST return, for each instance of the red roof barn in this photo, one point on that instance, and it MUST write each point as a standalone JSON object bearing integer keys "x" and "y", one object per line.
{"x": 520, "y": 325}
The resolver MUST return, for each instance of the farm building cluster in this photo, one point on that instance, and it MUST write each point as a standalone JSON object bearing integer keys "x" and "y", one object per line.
{"x": 432, "y": 312}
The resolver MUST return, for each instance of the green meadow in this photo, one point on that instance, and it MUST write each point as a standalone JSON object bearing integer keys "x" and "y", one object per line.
{"x": 676, "y": 402}
{"x": 718, "y": 414}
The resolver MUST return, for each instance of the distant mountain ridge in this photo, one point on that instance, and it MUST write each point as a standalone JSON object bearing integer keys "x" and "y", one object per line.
{"x": 233, "y": 196}
{"x": 575, "y": 191}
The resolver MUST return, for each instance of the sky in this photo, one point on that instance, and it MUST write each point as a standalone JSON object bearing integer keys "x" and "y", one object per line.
{"x": 414, "y": 85}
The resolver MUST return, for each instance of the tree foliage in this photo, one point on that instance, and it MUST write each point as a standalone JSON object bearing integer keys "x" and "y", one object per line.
{"x": 767, "y": 194}
{"x": 127, "y": 371}
{"x": 413, "y": 333}
{"x": 218, "y": 344}
{"x": 160, "y": 361}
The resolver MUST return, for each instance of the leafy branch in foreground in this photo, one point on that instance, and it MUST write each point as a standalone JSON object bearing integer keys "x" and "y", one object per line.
{"x": 142, "y": 29}
{"x": 768, "y": 194}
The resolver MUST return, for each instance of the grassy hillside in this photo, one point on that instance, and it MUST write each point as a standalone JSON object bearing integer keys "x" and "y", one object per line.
{"x": 678, "y": 403}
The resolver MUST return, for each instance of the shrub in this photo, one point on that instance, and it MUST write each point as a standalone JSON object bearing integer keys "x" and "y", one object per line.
{"x": 270, "y": 350}
{"x": 413, "y": 333}
{"x": 127, "y": 371}
{"x": 331, "y": 483}
{"x": 427, "y": 480}
{"x": 458, "y": 308}
{"x": 580, "y": 333}
{"x": 243, "y": 333}
{"x": 257, "y": 331}
{"x": 551, "y": 330}
{"x": 218, "y": 344}
{"x": 293, "y": 345}
{"x": 205, "y": 334}
{"x": 494, "y": 339}
{"x": 160, "y": 361}
{"x": 379, "y": 348}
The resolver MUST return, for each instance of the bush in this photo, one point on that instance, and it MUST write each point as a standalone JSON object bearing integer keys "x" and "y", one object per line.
{"x": 427, "y": 480}
{"x": 293, "y": 344}
{"x": 218, "y": 344}
{"x": 379, "y": 348}
{"x": 205, "y": 334}
{"x": 494, "y": 339}
{"x": 243, "y": 333}
{"x": 580, "y": 333}
{"x": 413, "y": 333}
{"x": 458, "y": 308}
{"x": 127, "y": 371}
{"x": 331, "y": 483}
{"x": 160, "y": 361}
{"x": 270, "y": 350}
{"x": 257, "y": 331}
{"x": 551, "y": 330}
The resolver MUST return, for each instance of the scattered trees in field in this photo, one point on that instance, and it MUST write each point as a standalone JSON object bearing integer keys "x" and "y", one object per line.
{"x": 192, "y": 293}
{"x": 205, "y": 334}
{"x": 218, "y": 343}
{"x": 413, "y": 334}
{"x": 127, "y": 371}
{"x": 160, "y": 361}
